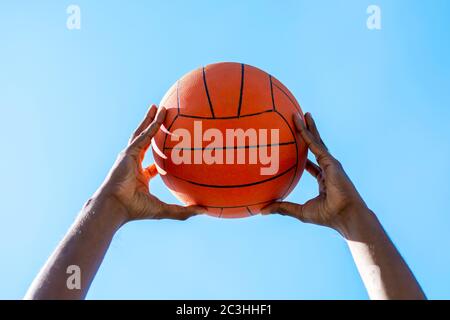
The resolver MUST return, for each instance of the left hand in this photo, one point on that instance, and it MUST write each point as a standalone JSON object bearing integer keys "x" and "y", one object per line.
{"x": 128, "y": 182}
{"x": 338, "y": 202}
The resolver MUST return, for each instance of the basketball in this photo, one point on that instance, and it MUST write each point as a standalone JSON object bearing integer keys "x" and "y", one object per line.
{"x": 228, "y": 142}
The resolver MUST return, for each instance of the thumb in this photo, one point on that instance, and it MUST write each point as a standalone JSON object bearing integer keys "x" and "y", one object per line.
{"x": 283, "y": 208}
{"x": 176, "y": 212}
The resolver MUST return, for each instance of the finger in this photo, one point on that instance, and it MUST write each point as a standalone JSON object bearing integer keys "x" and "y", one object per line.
{"x": 151, "y": 171}
{"x": 317, "y": 173}
{"x": 176, "y": 212}
{"x": 314, "y": 145}
{"x": 283, "y": 208}
{"x": 313, "y": 168}
{"x": 151, "y": 112}
{"x": 142, "y": 142}
{"x": 311, "y": 125}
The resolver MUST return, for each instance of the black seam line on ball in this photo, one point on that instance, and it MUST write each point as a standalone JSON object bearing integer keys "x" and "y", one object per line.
{"x": 207, "y": 93}
{"x": 238, "y": 185}
{"x": 165, "y": 139}
{"x": 296, "y": 154}
{"x": 170, "y": 125}
{"x": 221, "y": 212}
{"x": 242, "y": 206}
{"x": 235, "y": 147}
{"x": 271, "y": 93}
{"x": 249, "y": 211}
{"x": 287, "y": 95}
{"x": 241, "y": 90}
{"x": 225, "y": 118}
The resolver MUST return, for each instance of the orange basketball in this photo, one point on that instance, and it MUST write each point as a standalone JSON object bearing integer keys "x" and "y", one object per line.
{"x": 228, "y": 142}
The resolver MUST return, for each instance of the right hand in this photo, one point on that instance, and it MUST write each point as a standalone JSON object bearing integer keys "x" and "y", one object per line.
{"x": 338, "y": 200}
{"x": 127, "y": 183}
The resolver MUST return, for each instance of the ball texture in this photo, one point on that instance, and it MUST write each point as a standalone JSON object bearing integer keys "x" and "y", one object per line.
{"x": 229, "y": 96}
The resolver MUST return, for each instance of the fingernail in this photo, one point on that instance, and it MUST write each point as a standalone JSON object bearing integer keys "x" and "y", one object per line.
{"x": 265, "y": 211}
{"x": 160, "y": 116}
{"x": 200, "y": 209}
{"x": 152, "y": 109}
{"x": 298, "y": 120}
{"x": 311, "y": 117}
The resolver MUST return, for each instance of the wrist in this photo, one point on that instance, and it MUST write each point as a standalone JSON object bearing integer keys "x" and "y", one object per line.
{"x": 356, "y": 222}
{"x": 107, "y": 209}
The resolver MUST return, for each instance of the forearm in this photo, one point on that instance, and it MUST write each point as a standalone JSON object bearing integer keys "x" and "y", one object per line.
{"x": 84, "y": 247}
{"x": 384, "y": 272}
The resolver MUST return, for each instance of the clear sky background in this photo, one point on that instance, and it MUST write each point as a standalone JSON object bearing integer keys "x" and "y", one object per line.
{"x": 70, "y": 99}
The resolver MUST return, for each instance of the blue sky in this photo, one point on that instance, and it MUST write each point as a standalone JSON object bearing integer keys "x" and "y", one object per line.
{"x": 70, "y": 99}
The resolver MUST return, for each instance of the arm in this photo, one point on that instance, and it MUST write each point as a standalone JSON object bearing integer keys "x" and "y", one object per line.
{"x": 124, "y": 196}
{"x": 339, "y": 206}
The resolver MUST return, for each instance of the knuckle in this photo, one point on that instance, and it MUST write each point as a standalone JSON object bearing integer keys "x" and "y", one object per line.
{"x": 131, "y": 150}
{"x": 123, "y": 152}
{"x": 298, "y": 212}
{"x": 336, "y": 162}
{"x": 322, "y": 157}
{"x": 128, "y": 151}
{"x": 278, "y": 208}
{"x": 142, "y": 134}
{"x": 284, "y": 209}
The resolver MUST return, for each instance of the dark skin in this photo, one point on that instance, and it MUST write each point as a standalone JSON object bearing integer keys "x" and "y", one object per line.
{"x": 337, "y": 194}
{"x": 340, "y": 207}
{"x": 125, "y": 196}
{"x": 128, "y": 182}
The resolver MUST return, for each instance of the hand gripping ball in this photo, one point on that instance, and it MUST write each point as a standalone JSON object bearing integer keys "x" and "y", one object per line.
{"x": 228, "y": 142}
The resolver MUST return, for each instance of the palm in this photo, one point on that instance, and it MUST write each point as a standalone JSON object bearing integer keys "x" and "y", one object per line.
{"x": 128, "y": 181}
{"x": 130, "y": 185}
{"x": 336, "y": 191}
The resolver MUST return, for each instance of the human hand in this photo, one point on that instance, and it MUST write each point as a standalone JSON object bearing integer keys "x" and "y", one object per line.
{"x": 127, "y": 183}
{"x": 338, "y": 200}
